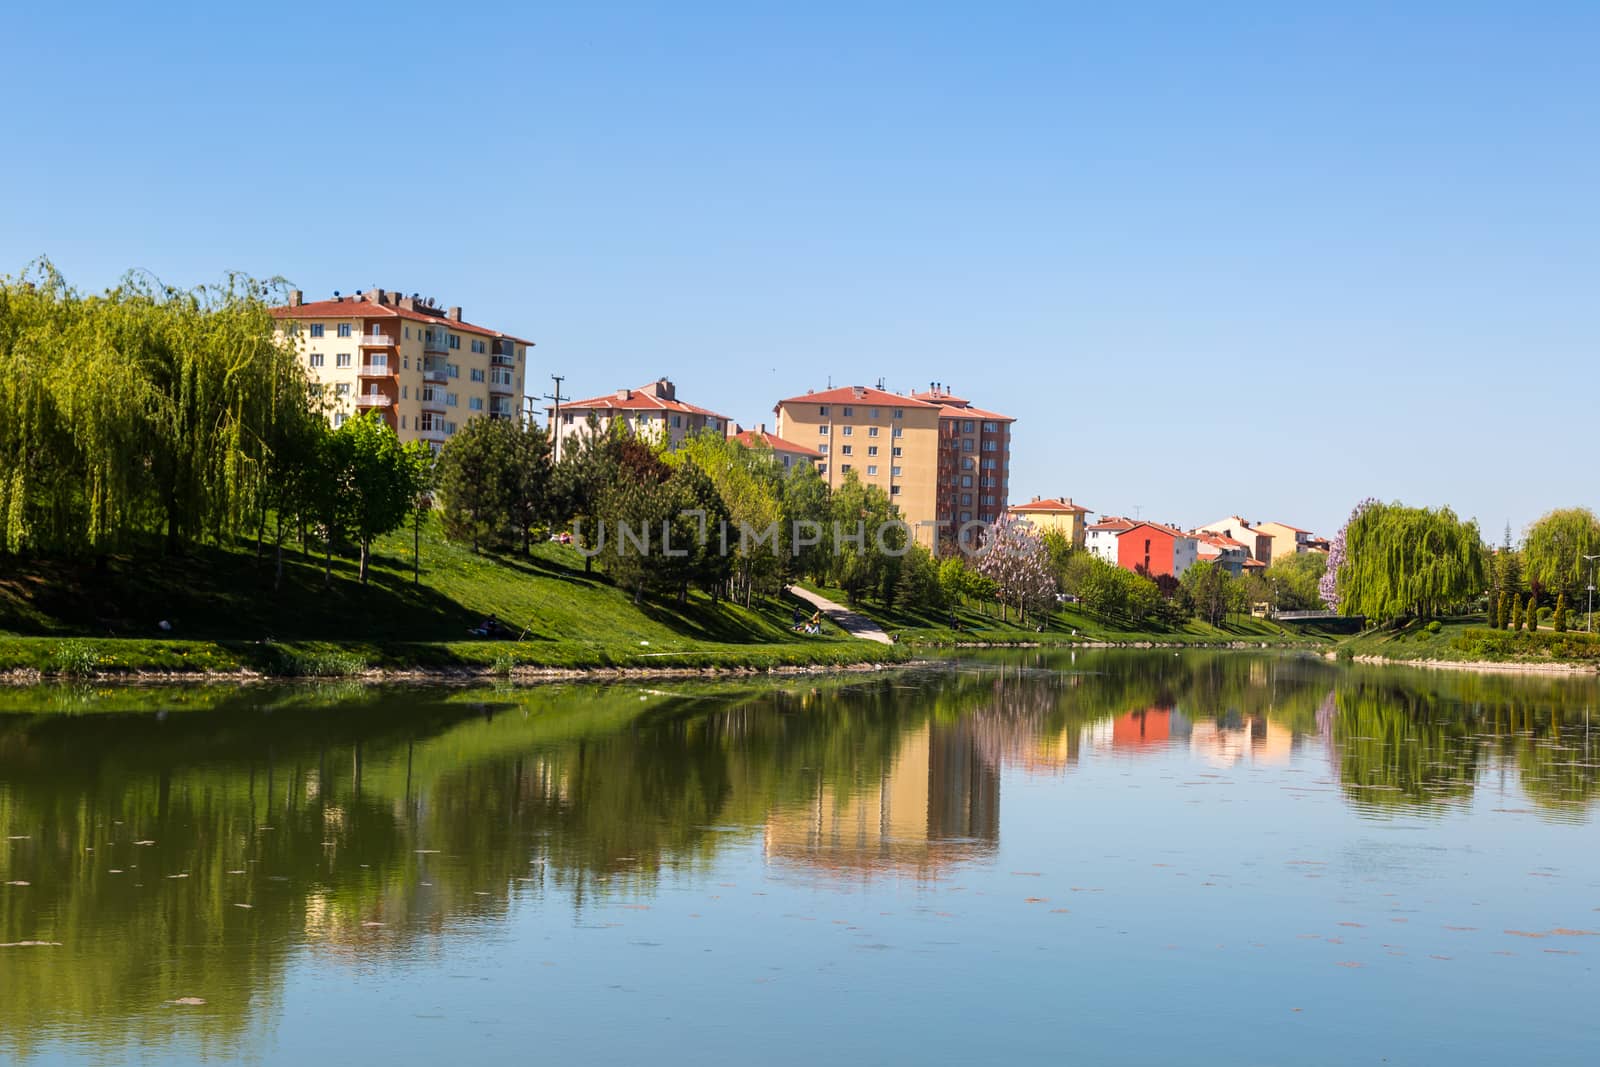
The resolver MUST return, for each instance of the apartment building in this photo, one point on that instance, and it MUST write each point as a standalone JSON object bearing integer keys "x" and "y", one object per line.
{"x": 1059, "y": 514}
{"x": 424, "y": 368}
{"x": 974, "y": 468}
{"x": 788, "y": 453}
{"x": 1101, "y": 537}
{"x": 652, "y": 410}
{"x": 886, "y": 439}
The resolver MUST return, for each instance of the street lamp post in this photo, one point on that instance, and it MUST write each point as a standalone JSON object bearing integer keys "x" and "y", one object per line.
{"x": 1591, "y": 560}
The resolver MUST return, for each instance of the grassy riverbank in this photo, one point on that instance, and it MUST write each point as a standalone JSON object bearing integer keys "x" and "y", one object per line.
{"x": 1070, "y": 626}
{"x": 1469, "y": 640}
{"x": 69, "y": 619}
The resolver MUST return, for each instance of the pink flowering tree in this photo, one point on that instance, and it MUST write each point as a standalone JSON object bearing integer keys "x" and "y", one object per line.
{"x": 1328, "y": 587}
{"x": 1015, "y": 558}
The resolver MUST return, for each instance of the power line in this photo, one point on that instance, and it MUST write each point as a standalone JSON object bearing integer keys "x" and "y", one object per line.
{"x": 555, "y": 418}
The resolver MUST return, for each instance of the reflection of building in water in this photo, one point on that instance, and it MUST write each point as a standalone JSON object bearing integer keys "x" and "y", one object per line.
{"x": 937, "y": 803}
{"x": 1150, "y": 728}
{"x": 1254, "y": 739}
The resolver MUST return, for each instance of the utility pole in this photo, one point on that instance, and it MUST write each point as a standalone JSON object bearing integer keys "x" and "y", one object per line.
{"x": 555, "y": 419}
{"x": 1591, "y": 560}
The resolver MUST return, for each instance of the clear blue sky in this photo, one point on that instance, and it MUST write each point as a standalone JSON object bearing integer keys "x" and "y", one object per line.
{"x": 1214, "y": 258}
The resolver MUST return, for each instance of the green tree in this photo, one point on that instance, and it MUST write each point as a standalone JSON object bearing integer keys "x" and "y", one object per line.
{"x": 590, "y": 463}
{"x": 473, "y": 479}
{"x": 527, "y": 475}
{"x": 1212, "y": 591}
{"x": 1554, "y": 547}
{"x": 1503, "y": 615}
{"x": 1409, "y": 561}
{"x": 1516, "y": 613}
{"x": 1559, "y": 623}
{"x": 377, "y": 481}
{"x": 1296, "y": 579}
{"x": 1531, "y": 615}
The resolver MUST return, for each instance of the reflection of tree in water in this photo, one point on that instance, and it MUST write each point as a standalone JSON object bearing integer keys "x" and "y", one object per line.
{"x": 1394, "y": 743}
{"x": 418, "y": 808}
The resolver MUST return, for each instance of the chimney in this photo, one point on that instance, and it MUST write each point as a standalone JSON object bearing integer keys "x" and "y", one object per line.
{"x": 374, "y": 296}
{"x": 455, "y": 314}
{"x": 296, "y": 298}
{"x": 761, "y": 428}
{"x": 624, "y": 394}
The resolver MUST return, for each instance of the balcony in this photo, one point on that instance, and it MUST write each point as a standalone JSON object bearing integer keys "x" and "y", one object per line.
{"x": 435, "y": 371}
{"x": 431, "y": 433}
{"x": 377, "y": 340}
{"x": 499, "y": 360}
{"x": 435, "y": 340}
{"x": 502, "y": 389}
{"x": 372, "y": 400}
{"x": 432, "y": 398}
{"x": 376, "y": 370}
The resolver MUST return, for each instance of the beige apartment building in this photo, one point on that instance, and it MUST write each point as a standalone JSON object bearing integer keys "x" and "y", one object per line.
{"x": 650, "y": 411}
{"x": 424, "y": 368}
{"x": 888, "y": 440}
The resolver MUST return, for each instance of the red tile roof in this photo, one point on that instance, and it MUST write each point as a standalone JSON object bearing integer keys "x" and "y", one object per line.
{"x": 1050, "y": 504}
{"x": 941, "y": 396}
{"x": 356, "y": 308}
{"x": 750, "y": 439}
{"x": 1286, "y": 526}
{"x": 858, "y": 394}
{"x": 951, "y": 411}
{"x": 637, "y": 400}
{"x": 1113, "y": 522}
{"x": 1170, "y": 531}
{"x": 1221, "y": 540}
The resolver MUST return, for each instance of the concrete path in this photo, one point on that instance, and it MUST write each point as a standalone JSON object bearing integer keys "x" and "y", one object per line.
{"x": 842, "y": 617}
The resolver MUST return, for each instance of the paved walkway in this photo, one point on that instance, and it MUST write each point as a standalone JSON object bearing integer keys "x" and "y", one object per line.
{"x": 842, "y": 617}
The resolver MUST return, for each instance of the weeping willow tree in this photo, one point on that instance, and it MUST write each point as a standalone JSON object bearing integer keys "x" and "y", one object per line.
{"x": 140, "y": 410}
{"x": 1403, "y": 561}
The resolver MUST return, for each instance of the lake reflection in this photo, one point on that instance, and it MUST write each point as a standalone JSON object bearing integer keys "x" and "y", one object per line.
{"x": 254, "y": 872}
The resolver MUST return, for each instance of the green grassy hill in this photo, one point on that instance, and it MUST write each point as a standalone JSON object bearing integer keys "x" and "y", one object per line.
{"x": 225, "y": 615}
{"x": 1068, "y": 625}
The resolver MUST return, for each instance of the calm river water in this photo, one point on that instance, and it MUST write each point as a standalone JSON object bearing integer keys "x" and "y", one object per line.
{"x": 1109, "y": 858}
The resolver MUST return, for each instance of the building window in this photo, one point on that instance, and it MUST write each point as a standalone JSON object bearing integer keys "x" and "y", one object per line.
{"x": 966, "y": 499}
{"x": 899, "y": 413}
{"x": 991, "y": 427}
{"x": 966, "y": 425}
{"x": 822, "y": 431}
{"x": 966, "y": 463}
{"x": 845, "y": 468}
{"x": 402, "y": 422}
{"x": 966, "y": 481}
{"x": 339, "y": 419}
{"x": 452, "y": 370}
{"x": 896, "y": 471}
{"x": 477, "y": 374}
{"x": 872, "y": 431}
{"x": 450, "y": 400}
{"x": 677, "y": 422}
{"x": 823, "y": 449}
{"x": 822, "y": 468}
{"x": 966, "y": 444}
{"x": 897, "y": 451}
{"x": 966, "y": 516}
{"x": 845, "y": 450}
{"x": 455, "y": 340}
{"x": 475, "y": 403}
{"x": 344, "y": 329}
{"x": 899, "y": 431}
{"x": 872, "y": 413}
{"x": 341, "y": 389}
{"x": 872, "y": 470}
{"x": 894, "y": 490}
{"x": 989, "y": 463}
{"x": 849, "y": 431}
{"x": 316, "y": 329}
{"x": 408, "y": 333}
{"x": 848, "y": 412}
{"x": 316, "y": 359}
{"x": 405, "y": 362}
{"x": 566, "y": 420}
{"x": 823, "y": 411}
{"x": 872, "y": 450}
{"x": 342, "y": 359}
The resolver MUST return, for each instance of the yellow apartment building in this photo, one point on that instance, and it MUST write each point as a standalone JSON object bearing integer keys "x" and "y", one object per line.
{"x": 1055, "y": 513}
{"x": 424, "y": 368}
{"x": 888, "y": 440}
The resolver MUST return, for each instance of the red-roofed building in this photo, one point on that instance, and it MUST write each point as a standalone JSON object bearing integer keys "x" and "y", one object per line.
{"x": 1286, "y": 540}
{"x": 1225, "y": 552}
{"x": 885, "y": 439}
{"x": 652, "y": 410}
{"x": 974, "y": 468}
{"x": 425, "y": 369}
{"x": 787, "y": 452}
{"x": 1101, "y": 536}
{"x": 1054, "y": 513}
{"x": 1156, "y": 549}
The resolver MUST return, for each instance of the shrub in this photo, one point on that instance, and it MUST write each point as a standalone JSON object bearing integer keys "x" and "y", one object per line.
{"x": 1435, "y": 626}
{"x": 74, "y": 659}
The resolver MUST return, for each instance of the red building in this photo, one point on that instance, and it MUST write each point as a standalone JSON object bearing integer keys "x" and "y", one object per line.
{"x": 1155, "y": 549}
